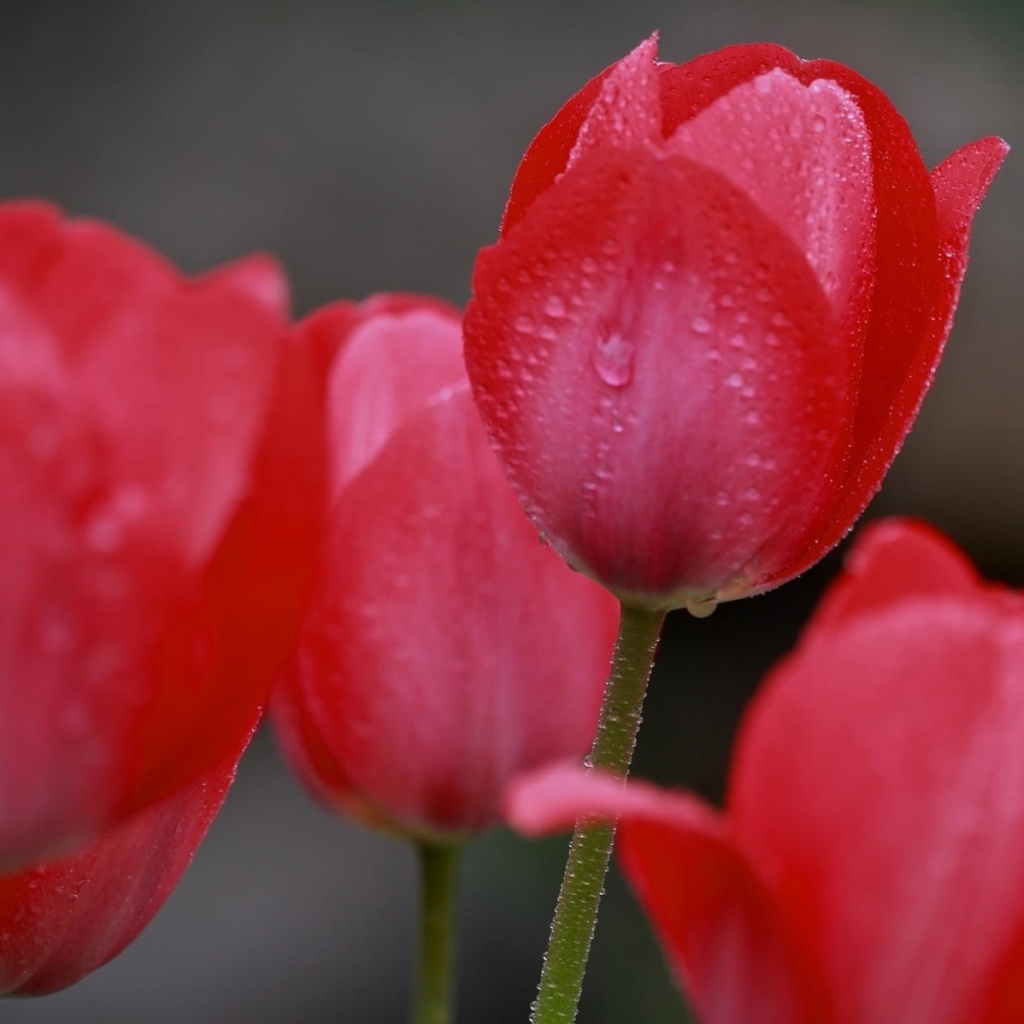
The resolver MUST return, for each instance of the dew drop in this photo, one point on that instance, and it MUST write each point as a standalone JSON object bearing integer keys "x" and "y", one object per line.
{"x": 524, "y": 324}
{"x": 818, "y": 123}
{"x": 700, "y": 325}
{"x": 734, "y": 380}
{"x": 701, "y": 607}
{"x": 613, "y": 360}
{"x": 554, "y": 307}
{"x": 588, "y": 265}
{"x": 738, "y": 341}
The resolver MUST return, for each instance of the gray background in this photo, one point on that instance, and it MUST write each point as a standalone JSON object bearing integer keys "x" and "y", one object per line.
{"x": 370, "y": 146}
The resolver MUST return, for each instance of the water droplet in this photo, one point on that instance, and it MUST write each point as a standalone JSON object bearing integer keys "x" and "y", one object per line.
{"x": 734, "y": 380}
{"x": 588, "y": 265}
{"x": 103, "y": 533}
{"x": 752, "y": 494}
{"x": 554, "y": 307}
{"x": 524, "y": 324}
{"x": 610, "y": 247}
{"x": 700, "y": 325}
{"x": 613, "y": 360}
{"x": 737, "y": 341}
{"x": 722, "y": 499}
{"x": 701, "y": 607}
{"x": 818, "y": 123}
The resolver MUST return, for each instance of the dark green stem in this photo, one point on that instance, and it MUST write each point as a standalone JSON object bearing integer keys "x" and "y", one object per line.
{"x": 438, "y": 872}
{"x": 590, "y": 850}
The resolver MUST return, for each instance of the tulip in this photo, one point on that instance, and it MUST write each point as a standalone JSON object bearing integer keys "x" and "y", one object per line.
{"x": 158, "y": 481}
{"x": 62, "y": 919}
{"x": 867, "y": 865}
{"x": 444, "y": 649}
{"x": 720, "y": 292}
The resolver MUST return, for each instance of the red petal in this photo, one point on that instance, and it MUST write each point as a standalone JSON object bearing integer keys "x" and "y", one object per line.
{"x": 686, "y": 89}
{"x": 893, "y": 835}
{"x": 892, "y": 560}
{"x": 660, "y": 369}
{"x": 960, "y": 184}
{"x": 722, "y": 930}
{"x": 446, "y": 649}
{"x": 64, "y": 918}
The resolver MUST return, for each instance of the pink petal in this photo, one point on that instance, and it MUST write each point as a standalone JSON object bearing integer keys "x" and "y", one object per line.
{"x": 625, "y": 112}
{"x": 389, "y": 367}
{"x": 802, "y": 153}
{"x": 646, "y": 307}
{"x": 893, "y": 834}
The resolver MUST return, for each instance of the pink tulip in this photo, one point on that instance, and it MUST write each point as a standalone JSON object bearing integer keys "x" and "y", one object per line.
{"x": 867, "y": 867}
{"x": 720, "y": 293}
{"x": 159, "y": 502}
{"x": 444, "y": 649}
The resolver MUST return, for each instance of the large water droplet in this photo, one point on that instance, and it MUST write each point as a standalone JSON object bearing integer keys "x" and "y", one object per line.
{"x": 613, "y": 360}
{"x": 701, "y": 607}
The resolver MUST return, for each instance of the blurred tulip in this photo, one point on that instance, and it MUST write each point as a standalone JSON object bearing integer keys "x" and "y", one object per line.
{"x": 867, "y": 865}
{"x": 720, "y": 293}
{"x": 159, "y": 495}
{"x": 62, "y": 919}
{"x": 444, "y": 649}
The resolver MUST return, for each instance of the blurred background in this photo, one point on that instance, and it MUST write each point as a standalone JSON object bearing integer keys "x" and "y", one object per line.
{"x": 369, "y": 144}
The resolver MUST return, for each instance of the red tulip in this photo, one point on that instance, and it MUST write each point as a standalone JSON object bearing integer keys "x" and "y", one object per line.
{"x": 158, "y": 481}
{"x": 62, "y": 919}
{"x": 720, "y": 293}
{"x": 444, "y": 649}
{"x": 867, "y": 867}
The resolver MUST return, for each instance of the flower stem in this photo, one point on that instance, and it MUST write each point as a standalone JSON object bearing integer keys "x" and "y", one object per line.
{"x": 590, "y": 850}
{"x": 439, "y": 865}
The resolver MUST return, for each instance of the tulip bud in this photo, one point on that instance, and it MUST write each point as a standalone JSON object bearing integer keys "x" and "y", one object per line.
{"x": 720, "y": 293}
{"x": 444, "y": 648}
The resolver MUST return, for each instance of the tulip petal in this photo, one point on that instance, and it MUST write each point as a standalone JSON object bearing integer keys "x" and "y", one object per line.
{"x": 960, "y": 184}
{"x": 625, "y": 112}
{"x": 62, "y": 919}
{"x": 894, "y": 559}
{"x": 390, "y": 367}
{"x": 686, "y": 89}
{"x": 134, "y": 407}
{"x": 893, "y": 837}
{"x": 804, "y": 153}
{"x": 442, "y": 634}
{"x": 901, "y": 350}
{"x": 721, "y": 928}
{"x": 610, "y": 331}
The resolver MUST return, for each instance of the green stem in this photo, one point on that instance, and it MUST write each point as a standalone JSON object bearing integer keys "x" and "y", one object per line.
{"x": 438, "y": 871}
{"x": 590, "y": 850}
